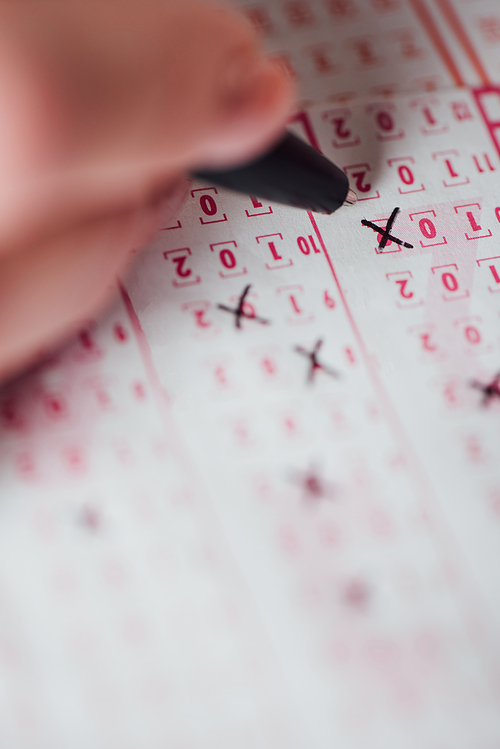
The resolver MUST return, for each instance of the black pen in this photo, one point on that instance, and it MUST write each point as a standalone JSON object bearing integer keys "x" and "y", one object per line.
{"x": 292, "y": 173}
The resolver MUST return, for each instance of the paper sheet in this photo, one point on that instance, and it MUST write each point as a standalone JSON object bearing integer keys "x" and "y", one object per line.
{"x": 282, "y": 534}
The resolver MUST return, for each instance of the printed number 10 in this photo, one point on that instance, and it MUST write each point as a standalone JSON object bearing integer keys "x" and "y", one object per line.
{"x": 305, "y": 245}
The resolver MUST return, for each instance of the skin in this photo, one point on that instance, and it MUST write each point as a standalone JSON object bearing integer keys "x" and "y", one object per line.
{"x": 106, "y": 105}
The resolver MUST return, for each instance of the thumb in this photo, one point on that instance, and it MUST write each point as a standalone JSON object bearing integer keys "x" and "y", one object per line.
{"x": 109, "y": 102}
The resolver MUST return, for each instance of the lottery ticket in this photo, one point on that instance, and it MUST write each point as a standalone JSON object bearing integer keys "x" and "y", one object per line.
{"x": 337, "y": 382}
{"x": 257, "y": 504}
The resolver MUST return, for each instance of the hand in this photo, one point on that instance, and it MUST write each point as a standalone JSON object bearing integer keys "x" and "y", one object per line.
{"x": 105, "y": 105}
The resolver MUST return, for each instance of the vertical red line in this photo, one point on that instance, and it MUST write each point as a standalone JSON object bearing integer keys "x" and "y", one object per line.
{"x": 458, "y": 29}
{"x": 339, "y": 288}
{"x": 142, "y": 342}
{"x": 427, "y": 21}
{"x": 425, "y": 485}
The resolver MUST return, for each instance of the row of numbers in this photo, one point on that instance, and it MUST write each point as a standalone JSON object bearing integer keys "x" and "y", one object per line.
{"x": 208, "y": 201}
{"x": 447, "y": 278}
{"x": 295, "y": 308}
{"x": 277, "y": 257}
{"x": 386, "y": 120}
{"x": 409, "y": 174}
{"x": 300, "y": 13}
{"x": 466, "y": 332}
{"x": 429, "y": 227}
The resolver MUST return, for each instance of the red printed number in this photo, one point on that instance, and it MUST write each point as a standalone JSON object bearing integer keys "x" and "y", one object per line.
{"x": 305, "y": 245}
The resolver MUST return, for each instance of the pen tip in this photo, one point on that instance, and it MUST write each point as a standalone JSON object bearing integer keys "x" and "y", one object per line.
{"x": 351, "y": 198}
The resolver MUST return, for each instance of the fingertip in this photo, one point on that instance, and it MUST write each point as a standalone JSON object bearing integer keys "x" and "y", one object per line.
{"x": 253, "y": 111}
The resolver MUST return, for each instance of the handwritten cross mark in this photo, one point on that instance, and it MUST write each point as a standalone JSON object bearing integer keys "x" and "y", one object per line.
{"x": 239, "y": 310}
{"x": 386, "y": 233}
{"x": 489, "y": 391}
{"x": 314, "y": 487}
{"x": 316, "y": 365}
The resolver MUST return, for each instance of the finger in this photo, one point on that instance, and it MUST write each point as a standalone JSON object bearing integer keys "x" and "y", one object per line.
{"x": 48, "y": 292}
{"x": 112, "y": 99}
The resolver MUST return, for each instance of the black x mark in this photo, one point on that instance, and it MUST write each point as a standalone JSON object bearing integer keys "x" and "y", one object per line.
{"x": 490, "y": 391}
{"x": 314, "y": 363}
{"x": 386, "y": 235}
{"x": 239, "y": 311}
{"x": 313, "y": 486}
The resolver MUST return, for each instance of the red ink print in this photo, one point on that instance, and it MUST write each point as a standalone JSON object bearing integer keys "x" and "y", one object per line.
{"x": 139, "y": 391}
{"x": 120, "y": 333}
{"x": 356, "y": 594}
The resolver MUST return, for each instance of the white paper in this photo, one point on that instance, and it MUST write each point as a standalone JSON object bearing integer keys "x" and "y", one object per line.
{"x": 203, "y": 546}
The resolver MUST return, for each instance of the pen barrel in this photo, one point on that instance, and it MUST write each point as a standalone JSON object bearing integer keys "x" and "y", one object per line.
{"x": 292, "y": 173}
